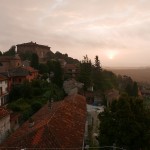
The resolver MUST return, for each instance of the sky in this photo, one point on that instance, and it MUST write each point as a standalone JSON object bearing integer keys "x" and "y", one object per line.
{"x": 118, "y": 31}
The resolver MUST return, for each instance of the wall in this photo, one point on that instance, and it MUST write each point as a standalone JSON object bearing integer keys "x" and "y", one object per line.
{"x": 4, "y": 127}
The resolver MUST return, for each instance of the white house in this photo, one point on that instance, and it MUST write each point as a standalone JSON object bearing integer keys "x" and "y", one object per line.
{"x": 3, "y": 90}
{"x": 4, "y": 123}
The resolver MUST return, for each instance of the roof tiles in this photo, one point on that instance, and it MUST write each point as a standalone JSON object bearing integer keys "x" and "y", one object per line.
{"x": 62, "y": 126}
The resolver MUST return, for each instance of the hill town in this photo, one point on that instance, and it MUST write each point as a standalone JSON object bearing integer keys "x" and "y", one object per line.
{"x": 52, "y": 101}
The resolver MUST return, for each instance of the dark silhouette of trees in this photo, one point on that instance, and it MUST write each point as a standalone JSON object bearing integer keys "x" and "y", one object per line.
{"x": 11, "y": 51}
{"x": 35, "y": 61}
{"x": 85, "y": 75}
{"x": 97, "y": 64}
{"x": 126, "y": 123}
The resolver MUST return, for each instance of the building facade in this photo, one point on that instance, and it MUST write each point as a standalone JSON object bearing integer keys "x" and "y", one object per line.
{"x": 31, "y": 47}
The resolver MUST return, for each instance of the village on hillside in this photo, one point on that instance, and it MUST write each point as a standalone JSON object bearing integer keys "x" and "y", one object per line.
{"x": 52, "y": 101}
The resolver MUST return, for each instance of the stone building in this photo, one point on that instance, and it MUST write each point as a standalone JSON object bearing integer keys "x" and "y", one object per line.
{"x": 31, "y": 47}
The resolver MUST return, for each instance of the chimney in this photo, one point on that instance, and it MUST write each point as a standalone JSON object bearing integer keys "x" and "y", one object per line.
{"x": 31, "y": 122}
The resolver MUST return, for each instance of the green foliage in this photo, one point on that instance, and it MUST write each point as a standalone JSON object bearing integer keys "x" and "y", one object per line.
{"x": 126, "y": 123}
{"x": 132, "y": 89}
{"x": 97, "y": 64}
{"x": 34, "y": 61}
{"x": 43, "y": 68}
{"x": 57, "y": 76}
{"x": 85, "y": 75}
{"x": 58, "y": 73}
{"x": 14, "y": 107}
{"x": 36, "y": 106}
{"x": 21, "y": 91}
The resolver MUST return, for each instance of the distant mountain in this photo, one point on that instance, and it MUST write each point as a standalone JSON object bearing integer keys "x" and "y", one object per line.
{"x": 141, "y": 74}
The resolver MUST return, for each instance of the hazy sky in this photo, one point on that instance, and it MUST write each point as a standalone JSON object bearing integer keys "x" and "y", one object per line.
{"x": 118, "y": 31}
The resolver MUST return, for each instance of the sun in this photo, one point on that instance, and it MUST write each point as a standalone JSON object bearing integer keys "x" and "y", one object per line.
{"x": 111, "y": 54}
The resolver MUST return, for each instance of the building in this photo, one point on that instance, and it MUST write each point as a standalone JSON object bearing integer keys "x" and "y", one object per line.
{"x": 4, "y": 124}
{"x": 71, "y": 86}
{"x": 9, "y": 62}
{"x": 31, "y": 47}
{"x": 71, "y": 70}
{"x": 19, "y": 75}
{"x": 3, "y": 90}
{"x": 60, "y": 126}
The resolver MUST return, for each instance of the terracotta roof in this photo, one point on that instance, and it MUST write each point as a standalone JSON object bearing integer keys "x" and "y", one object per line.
{"x": 3, "y": 112}
{"x": 3, "y": 78}
{"x": 62, "y": 126}
{"x": 16, "y": 72}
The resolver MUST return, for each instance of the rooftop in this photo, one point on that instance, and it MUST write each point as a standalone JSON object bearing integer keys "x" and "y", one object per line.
{"x": 62, "y": 126}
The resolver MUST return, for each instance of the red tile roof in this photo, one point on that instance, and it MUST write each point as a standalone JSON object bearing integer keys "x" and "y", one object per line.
{"x": 3, "y": 78}
{"x": 62, "y": 126}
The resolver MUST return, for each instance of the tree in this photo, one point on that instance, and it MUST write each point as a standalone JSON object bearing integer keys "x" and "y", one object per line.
{"x": 35, "y": 61}
{"x": 58, "y": 74}
{"x": 126, "y": 123}
{"x": 97, "y": 64}
{"x": 11, "y": 51}
{"x": 85, "y": 75}
{"x": 135, "y": 89}
{"x": 43, "y": 68}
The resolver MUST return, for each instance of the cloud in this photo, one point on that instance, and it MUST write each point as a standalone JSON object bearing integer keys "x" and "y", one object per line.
{"x": 79, "y": 27}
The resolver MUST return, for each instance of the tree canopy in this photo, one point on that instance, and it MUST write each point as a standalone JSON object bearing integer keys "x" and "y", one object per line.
{"x": 11, "y": 51}
{"x": 126, "y": 123}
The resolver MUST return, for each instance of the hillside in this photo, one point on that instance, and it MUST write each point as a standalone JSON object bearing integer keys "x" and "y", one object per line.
{"x": 137, "y": 74}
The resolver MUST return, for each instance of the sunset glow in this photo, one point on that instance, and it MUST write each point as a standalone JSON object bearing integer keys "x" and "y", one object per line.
{"x": 111, "y": 54}
{"x": 117, "y": 30}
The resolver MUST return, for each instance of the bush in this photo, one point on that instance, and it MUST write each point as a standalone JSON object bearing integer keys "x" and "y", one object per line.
{"x": 14, "y": 107}
{"x": 36, "y": 106}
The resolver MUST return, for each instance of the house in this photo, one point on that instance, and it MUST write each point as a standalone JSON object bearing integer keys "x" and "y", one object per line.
{"x": 71, "y": 70}
{"x": 4, "y": 123}
{"x": 71, "y": 86}
{"x": 60, "y": 126}
{"x": 9, "y": 62}
{"x": 20, "y": 74}
{"x": 3, "y": 90}
{"x": 33, "y": 73}
{"x": 33, "y": 47}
